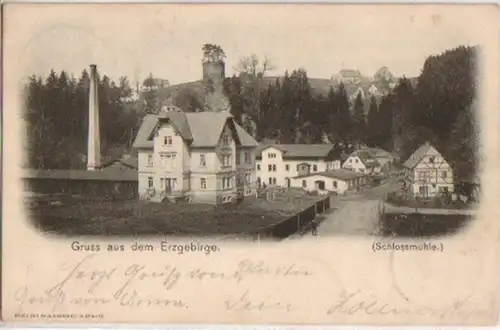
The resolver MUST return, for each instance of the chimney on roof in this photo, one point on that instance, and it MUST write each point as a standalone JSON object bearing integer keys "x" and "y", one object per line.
{"x": 94, "y": 140}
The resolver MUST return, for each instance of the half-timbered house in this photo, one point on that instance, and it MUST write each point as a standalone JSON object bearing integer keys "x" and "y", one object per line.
{"x": 428, "y": 173}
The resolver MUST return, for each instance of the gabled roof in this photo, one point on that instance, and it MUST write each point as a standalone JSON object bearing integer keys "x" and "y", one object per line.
{"x": 378, "y": 152}
{"x": 340, "y": 174}
{"x": 299, "y": 150}
{"x": 199, "y": 129}
{"x": 366, "y": 158}
{"x": 417, "y": 156}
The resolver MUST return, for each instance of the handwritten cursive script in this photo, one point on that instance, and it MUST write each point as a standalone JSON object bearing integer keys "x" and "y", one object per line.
{"x": 245, "y": 303}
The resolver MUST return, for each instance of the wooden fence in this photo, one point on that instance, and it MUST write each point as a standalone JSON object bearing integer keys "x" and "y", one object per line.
{"x": 295, "y": 223}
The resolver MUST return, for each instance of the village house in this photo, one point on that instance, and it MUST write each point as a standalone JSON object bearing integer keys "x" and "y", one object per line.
{"x": 278, "y": 163}
{"x": 362, "y": 161}
{"x": 336, "y": 181}
{"x": 384, "y": 157}
{"x": 348, "y": 76}
{"x": 428, "y": 173}
{"x": 200, "y": 157}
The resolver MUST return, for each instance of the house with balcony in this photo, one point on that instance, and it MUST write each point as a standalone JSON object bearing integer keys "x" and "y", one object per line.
{"x": 276, "y": 164}
{"x": 201, "y": 157}
{"x": 428, "y": 173}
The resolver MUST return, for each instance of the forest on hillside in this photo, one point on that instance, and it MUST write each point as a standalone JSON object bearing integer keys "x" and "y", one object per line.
{"x": 440, "y": 109}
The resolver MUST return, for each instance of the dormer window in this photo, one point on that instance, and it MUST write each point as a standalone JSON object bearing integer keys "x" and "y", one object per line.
{"x": 431, "y": 160}
{"x": 167, "y": 140}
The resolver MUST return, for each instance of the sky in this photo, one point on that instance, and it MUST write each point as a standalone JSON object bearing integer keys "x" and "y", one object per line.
{"x": 166, "y": 40}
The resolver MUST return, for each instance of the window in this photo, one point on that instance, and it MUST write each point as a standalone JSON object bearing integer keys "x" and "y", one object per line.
{"x": 203, "y": 183}
{"x": 167, "y": 140}
{"x": 270, "y": 180}
{"x": 258, "y": 167}
{"x": 271, "y": 155}
{"x": 274, "y": 168}
{"x": 431, "y": 160}
{"x": 237, "y": 159}
{"x": 287, "y": 168}
{"x": 174, "y": 184}
{"x": 203, "y": 161}
{"x": 162, "y": 183}
{"x": 304, "y": 183}
{"x": 168, "y": 160}
{"x": 226, "y": 182}
{"x": 356, "y": 161}
{"x": 350, "y": 160}
{"x": 150, "y": 160}
{"x": 444, "y": 174}
{"x": 150, "y": 182}
{"x": 315, "y": 168}
{"x": 269, "y": 168}
{"x": 226, "y": 160}
{"x": 248, "y": 159}
{"x": 424, "y": 175}
{"x": 335, "y": 185}
{"x": 274, "y": 180}
{"x": 225, "y": 139}
{"x": 248, "y": 177}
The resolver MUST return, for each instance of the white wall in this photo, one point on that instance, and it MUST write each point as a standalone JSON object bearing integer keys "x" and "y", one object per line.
{"x": 354, "y": 163}
{"x": 341, "y": 188}
{"x": 188, "y": 170}
{"x": 281, "y": 173}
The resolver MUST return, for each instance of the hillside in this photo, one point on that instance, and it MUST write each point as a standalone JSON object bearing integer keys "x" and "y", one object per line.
{"x": 190, "y": 95}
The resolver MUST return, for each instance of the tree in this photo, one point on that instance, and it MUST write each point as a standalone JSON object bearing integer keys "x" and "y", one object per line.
{"x": 150, "y": 95}
{"x": 465, "y": 143}
{"x": 343, "y": 116}
{"x": 213, "y": 53}
{"x": 359, "y": 121}
{"x": 403, "y": 110}
{"x": 253, "y": 66}
{"x": 372, "y": 123}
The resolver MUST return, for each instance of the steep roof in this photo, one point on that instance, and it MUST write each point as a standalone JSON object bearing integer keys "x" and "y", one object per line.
{"x": 340, "y": 174}
{"x": 417, "y": 156}
{"x": 299, "y": 150}
{"x": 199, "y": 129}
{"x": 366, "y": 157}
{"x": 378, "y": 152}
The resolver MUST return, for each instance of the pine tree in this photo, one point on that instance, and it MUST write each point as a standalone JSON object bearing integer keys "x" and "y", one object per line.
{"x": 371, "y": 125}
{"x": 359, "y": 121}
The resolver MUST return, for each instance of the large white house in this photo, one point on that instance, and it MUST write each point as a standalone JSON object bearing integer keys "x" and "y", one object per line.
{"x": 200, "y": 157}
{"x": 278, "y": 163}
{"x": 336, "y": 181}
{"x": 428, "y": 173}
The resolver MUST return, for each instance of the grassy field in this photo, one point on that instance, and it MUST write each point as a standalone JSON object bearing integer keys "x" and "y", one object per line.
{"x": 77, "y": 216}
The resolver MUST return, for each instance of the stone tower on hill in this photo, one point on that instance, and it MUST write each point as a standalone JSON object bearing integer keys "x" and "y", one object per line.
{"x": 213, "y": 79}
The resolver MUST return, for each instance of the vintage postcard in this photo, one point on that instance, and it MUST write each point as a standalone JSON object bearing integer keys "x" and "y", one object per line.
{"x": 261, "y": 164}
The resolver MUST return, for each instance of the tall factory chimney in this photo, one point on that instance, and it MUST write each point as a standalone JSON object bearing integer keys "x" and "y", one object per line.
{"x": 94, "y": 139}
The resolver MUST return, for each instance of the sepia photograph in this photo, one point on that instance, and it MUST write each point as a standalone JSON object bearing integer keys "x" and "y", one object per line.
{"x": 297, "y": 164}
{"x": 252, "y": 146}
